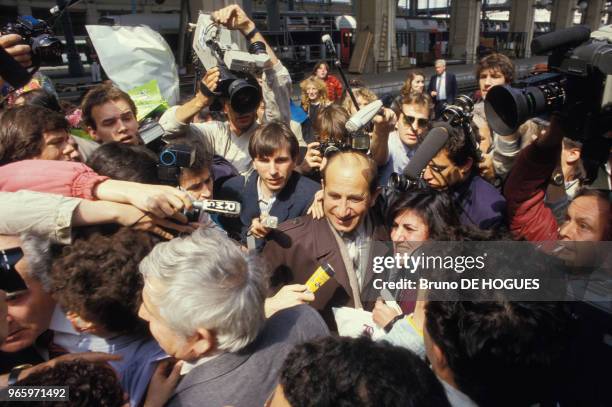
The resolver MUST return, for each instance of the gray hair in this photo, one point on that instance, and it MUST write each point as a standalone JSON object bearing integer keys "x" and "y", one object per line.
{"x": 208, "y": 282}
{"x": 37, "y": 251}
{"x": 440, "y": 62}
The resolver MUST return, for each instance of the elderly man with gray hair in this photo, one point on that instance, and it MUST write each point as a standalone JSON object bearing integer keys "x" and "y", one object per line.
{"x": 204, "y": 301}
{"x": 442, "y": 87}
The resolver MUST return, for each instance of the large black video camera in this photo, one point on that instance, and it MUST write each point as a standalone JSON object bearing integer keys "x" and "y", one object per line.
{"x": 576, "y": 86}
{"x": 46, "y": 47}
{"x": 213, "y": 47}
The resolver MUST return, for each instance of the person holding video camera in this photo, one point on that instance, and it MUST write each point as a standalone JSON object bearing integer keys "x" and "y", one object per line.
{"x": 588, "y": 216}
{"x": 455, "y": 168}
{"x": 231, "y": 139}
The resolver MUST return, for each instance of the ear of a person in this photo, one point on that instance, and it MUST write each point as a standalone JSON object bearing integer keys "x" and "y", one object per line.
{"x": 92, "y": 133}
{"x": 465, "y": 168}
{"x": 202, "y": 342}
{"x": 573, "y": 155}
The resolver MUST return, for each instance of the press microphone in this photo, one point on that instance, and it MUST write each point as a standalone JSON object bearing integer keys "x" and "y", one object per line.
{"x": 320, "y": 276}
{"x": 12, "y": 72}
{"x": 433, "y": 142}
{"x": 329, "y": 44}
{"x": 568, "y": 37}
{"x": 55, "y": 10}
{"x": 364, "y": 116}
{"x": 227, "y": 208}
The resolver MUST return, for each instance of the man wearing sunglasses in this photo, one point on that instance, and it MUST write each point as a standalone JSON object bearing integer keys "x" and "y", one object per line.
{"x": 412, "y": 123}
{"x": 455, "y": 169}
{"x": 30, "y": 306}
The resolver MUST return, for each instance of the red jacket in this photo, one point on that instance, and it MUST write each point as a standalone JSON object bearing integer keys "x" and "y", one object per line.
{"x": 525, "y": 189}
{"x": 56, "y": 177}
{"x": 334, "y": 88}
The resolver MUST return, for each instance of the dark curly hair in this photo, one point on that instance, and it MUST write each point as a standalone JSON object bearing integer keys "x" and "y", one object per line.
{"x": 494, "y": 348}
{"x": 125, "y": 163}
{"x": 89, "y": 384}
{"x": 97, "y": 278}
{"x": 21, "y": 131}
{"x": 342, "y": 372}
{"x": 436, "y": 208}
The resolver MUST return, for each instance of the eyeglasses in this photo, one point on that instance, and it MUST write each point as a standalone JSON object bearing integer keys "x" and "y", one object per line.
{"x": 409, "y": 121}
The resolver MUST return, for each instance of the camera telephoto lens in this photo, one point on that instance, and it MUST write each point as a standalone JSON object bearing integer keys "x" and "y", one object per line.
{"x": 244, "y": 97}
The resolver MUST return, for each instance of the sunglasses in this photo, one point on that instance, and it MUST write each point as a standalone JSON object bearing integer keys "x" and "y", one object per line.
{"x": 409, "y": 121}
{"x": 10, "y": 280}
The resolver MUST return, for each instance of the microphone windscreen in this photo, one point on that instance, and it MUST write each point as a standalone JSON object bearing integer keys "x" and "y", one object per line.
{"x": 568, "y": 37}
{"x": 433, "y": 142}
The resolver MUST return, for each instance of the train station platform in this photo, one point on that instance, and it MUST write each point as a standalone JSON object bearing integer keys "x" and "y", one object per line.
{"x": 391, "y": 82}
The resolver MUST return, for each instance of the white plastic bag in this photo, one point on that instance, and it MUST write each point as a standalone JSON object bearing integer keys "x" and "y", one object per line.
{"x": 354, "y": 323}
{"x": 133, "y": 56}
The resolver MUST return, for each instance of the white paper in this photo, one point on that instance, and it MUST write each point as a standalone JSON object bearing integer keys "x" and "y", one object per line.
{"x": 354, "y": 323}
{"x": 133, "y": 55}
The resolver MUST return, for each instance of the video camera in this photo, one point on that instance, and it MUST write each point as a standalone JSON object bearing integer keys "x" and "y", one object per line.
{"x": 175, "y": 157}
{"x": 46, "y": 47}
{"x": 578, "y": 86}
{"x": 213, "y": 46}
{"x": 357, "y": 128}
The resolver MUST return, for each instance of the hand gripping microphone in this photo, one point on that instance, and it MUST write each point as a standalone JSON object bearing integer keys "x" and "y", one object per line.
{"x": 224, "y": 208}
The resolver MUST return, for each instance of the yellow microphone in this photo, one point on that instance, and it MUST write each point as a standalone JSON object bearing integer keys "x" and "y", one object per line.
{"x": 320, "y": 276}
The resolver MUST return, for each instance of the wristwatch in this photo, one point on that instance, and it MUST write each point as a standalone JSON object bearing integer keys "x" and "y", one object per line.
{"x": 251, "y": 34}
{"x": 388, "y": 327}
{"x": 14, "y": 375}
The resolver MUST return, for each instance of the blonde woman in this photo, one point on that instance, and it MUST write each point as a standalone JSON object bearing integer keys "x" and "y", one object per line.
{"x": 314, "y": 98}
{"x": 363, "y": 97}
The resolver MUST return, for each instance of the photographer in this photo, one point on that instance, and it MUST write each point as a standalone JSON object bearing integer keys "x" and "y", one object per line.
{"x": 499, "y": 152}
{"x": 231, "y": 139}
{"x": 588, "y": 216}
{"x": 330, "y": 128}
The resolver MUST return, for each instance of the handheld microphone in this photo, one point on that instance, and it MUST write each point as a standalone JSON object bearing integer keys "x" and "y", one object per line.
{"x": 227, "y": 208}
{"x": 364, "y": 116}
{"x": 329, "y": 44}
{"x": 320, "y": 276}
{"x": 433, "y": 142}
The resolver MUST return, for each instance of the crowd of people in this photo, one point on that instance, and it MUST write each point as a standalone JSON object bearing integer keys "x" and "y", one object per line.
{"x": 109, "y": 287}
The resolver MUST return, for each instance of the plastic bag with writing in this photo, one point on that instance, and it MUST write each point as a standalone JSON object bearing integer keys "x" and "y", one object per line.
{"x": 134, "y": 55}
